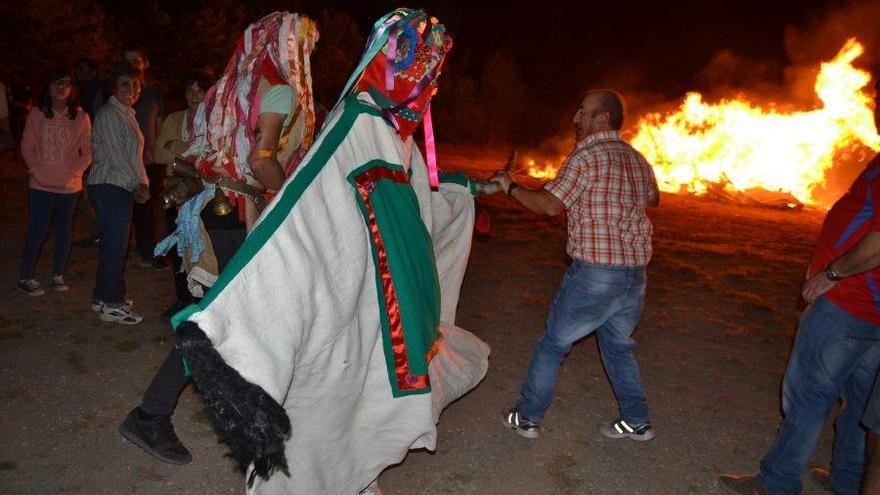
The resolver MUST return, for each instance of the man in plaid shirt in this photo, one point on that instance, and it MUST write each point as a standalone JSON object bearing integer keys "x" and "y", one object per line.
{"x": 605, "y": 185}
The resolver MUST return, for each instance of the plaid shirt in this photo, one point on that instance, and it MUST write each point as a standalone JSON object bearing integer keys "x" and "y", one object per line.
{"x": 605, "y": 184}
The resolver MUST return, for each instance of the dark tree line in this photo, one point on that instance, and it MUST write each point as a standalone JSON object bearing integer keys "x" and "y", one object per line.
{"x": 480, "y": 101}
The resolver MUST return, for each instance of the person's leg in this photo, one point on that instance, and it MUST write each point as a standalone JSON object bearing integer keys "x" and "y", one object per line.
{"x": 39, "y": 220}
{"x": 817, "y": 369}
{"x": 114, "y": 206}
{"x": 65, "y": 206}
{"x": 584, "y": 300}
{"x": 616, "y": 348}
{"x": 848, "y": 453}
{"x": 161, "y": 395}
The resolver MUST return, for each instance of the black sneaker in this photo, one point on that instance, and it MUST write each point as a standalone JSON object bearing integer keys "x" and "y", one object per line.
{"x": 156, "y": 436}
{"x": 622, "y": 429}
{"x": 156, "y": 263}
{"x": 512, "y": 419}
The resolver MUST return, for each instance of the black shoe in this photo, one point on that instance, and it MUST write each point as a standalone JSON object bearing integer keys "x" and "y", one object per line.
{"x": 88, "y": 242}
{"x": 156, "y": 436}
{"x": 156, "y": 263}
{"x": 622, "y": 429}
{"x": 512, "y": 419}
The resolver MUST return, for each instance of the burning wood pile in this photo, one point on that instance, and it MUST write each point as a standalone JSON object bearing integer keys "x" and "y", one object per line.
{"x": 738, "y": 151}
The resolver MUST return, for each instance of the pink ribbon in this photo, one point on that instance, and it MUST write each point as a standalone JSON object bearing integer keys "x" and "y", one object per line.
{"x": 390, "y": 61}
{"x": 433, "y": 178}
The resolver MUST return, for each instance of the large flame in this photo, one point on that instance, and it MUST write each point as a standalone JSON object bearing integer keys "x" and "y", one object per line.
{"x": 743, "y": 146}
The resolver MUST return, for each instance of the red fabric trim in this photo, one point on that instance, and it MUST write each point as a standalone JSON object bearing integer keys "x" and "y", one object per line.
{"x": 406, "y": 380}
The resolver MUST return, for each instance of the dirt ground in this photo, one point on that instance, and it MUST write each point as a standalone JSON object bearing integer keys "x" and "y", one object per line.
{"x": 712, "y": 346}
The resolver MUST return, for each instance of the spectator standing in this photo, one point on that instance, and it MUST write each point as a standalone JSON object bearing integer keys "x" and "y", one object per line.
{"x": 149, "y": 111}
{"x": 56, "y": 148}
{"x": 117, "y": 179}
{"x": 836, "y": 350}
{"x": 174, "y": 139}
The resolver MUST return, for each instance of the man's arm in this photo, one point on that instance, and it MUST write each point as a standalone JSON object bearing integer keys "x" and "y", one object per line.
{"x": 864, "y": 256}
{"x": 654, "y": 194}
{"x": 262, "y": 158}
{"x": 539, "y": 201}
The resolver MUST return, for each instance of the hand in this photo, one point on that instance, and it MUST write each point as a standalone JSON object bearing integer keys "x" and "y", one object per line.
{"x": 142, "y": 193}
{"x": 490, "y": 187}
{"x": 502, "y": 178}
{"x": 815, "y": 286}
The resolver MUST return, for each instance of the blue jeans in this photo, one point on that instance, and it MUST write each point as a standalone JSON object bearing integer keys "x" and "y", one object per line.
{"x": 42, "y": 206}
{"x": 113, "y": 205}
{"x": 600, "y": 298}
{"x": 835, "y": 355}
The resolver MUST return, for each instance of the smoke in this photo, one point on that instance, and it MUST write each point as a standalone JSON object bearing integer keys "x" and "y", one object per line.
{"x": 819, "y": 40}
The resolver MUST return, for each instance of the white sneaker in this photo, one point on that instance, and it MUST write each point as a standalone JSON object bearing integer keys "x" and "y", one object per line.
{"x": 59, "y": 285}
{"x": 30, "y": 287}
{"x": 120, "y": 314}
{"x": 97, "y": 304}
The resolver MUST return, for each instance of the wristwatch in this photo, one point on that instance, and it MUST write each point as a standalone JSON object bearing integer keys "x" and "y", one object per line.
{"x": 830, "y": 274}
{"x": 511, "y": 187}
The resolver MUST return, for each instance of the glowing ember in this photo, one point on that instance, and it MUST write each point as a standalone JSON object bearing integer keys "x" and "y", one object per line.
{"x": 744, "y": 146}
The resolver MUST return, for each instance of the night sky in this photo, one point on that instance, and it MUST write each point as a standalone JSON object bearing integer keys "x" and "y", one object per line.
{"x": 563, "y": 47}
{"x": 563, "y": 44}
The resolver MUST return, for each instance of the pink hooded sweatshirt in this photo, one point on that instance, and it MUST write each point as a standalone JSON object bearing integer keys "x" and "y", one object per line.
{"x": 57, "y": 151}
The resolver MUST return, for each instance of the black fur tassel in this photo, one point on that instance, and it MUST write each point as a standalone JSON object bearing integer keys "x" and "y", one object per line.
{"x": 249, "y": 420}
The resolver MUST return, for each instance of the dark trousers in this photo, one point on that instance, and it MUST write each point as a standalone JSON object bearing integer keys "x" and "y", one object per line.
{"x": 144, "y": 214}
{"x": 227, "y": 235}
{"x": 42, "y": 207}
{"x": 113, "y": 205}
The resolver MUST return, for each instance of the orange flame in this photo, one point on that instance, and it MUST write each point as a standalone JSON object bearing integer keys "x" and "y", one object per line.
{"x": 546, "y": 171}
{"x": 743, "y": 146}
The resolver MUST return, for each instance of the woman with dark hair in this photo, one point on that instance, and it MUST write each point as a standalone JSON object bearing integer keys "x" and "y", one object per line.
{"x": 56, "y": 146}
{"x": 175, "y": 137}
{"x": 117, "y": 179}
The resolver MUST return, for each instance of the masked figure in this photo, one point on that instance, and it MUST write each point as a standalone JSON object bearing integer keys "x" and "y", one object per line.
{"x": 328, "y": 347}
{"x": 237, "y": 153}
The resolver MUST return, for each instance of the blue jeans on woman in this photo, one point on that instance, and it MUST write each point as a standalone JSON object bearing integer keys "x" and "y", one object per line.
{"x": 42, "y": 207}
{"x": 113, "y": 205}
{"x": 591, "y": 298}
{"x": 835, "y": 355}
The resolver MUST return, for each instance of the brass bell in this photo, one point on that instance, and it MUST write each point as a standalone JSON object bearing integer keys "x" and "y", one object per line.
{"x": 220, "y": 205}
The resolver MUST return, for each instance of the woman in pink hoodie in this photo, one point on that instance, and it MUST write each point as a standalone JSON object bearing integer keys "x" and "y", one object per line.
{"x": 56, "y": 147}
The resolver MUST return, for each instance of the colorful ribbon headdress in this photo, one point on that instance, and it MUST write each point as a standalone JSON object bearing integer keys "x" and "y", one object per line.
{"x": 399, "y": 69}
{"x": 276, "y": 48}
